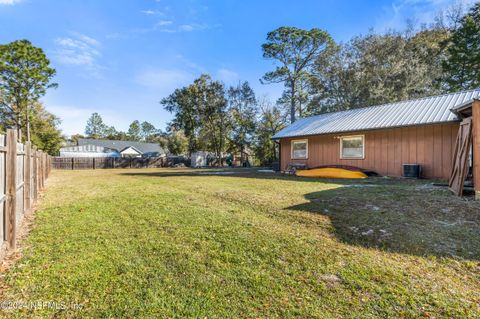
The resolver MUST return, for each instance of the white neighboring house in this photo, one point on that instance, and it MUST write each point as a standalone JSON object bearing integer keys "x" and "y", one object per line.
{"x": 110, "y": 148}
{"x": 88, "y": 151}
{"x": 130, "y": 151}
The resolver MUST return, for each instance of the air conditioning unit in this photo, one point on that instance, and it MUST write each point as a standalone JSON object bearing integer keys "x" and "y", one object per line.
{"x": 412, "y": 170}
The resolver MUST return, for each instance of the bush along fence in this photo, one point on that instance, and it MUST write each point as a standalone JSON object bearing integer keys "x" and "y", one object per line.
{"x": 73, "y": 163}
{"x": 23, "y": 171}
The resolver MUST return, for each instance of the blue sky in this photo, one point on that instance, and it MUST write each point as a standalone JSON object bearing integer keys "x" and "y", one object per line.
{"x": 120, "y": 58}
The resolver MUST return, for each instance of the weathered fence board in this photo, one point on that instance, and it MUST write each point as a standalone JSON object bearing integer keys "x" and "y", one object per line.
{"x": 23, "y": 171}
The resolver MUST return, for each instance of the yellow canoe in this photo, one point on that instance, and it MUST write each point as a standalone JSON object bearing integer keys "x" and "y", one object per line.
{"x": 330, "y": 173}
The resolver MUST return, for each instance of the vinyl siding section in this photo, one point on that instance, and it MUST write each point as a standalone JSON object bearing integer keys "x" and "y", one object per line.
{"x": 386, "y": 150}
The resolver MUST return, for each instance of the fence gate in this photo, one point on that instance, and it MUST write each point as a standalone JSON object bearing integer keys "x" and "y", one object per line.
{"x": 460, "y": 157}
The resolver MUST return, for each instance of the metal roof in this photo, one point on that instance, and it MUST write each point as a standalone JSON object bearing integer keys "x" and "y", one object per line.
{"x": 428, "y": 110}
{"x": 120, "y": 145}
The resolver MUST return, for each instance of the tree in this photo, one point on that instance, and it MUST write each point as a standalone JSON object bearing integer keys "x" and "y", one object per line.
{"x": 147, "y": 131}
{"x": 463, "y": 50}
{"x": 25, "y": 76}
{"x": 95, "y": 127}
{"x": 134, "y": 131}
{"x": 73, "y": 140}
{"x": 296, "y": 50}
{"x": 200, "y": 111}
{"x": 111, "y": 133}
{"x": 337, "y": 80}
{"x": 378, "y": 68}
{"x": 271, "y": 121}
{"x": 242, "y": 111}
{"x": 45, "y": 133}
{"x": 174, "y": 141}
{"x": 182, "y": 103}
{"x": 209, "y": 97}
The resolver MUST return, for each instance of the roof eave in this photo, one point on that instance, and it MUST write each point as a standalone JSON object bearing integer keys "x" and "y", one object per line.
{"x": 365, "y": 130}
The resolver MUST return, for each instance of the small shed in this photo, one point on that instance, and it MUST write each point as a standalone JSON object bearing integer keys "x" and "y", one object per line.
{"x": 199, "y": 159}
{"x": 383, "y": 138}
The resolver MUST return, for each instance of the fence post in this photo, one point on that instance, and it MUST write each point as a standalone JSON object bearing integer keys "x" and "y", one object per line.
{"x": 11, "y": 187}
{"x": 28, "y": 176}
{"x": 93, "y": 163}
{"x": 73, "y": 164}
{"x": 34, "y": 173}
{"x": 40, "y": 171}
{"x": 42, "y": 157}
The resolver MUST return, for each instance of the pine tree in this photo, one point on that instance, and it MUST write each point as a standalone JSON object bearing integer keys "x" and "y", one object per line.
{"x": 462, "y": 67}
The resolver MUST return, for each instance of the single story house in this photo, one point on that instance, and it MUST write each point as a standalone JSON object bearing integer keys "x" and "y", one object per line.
{"x": 111, "y": 148}
{"x": 382, "y": 138}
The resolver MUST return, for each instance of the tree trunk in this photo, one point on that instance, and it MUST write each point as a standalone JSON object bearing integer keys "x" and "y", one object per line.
{"x": 27, "y": 122}
{"x": 292, "y": 102}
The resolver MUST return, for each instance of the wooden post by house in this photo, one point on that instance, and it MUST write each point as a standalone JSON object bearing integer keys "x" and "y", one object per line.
{"x": 476, "y": 146}
{"x": 11, "y": 187}
{"x": 28, "y": 176}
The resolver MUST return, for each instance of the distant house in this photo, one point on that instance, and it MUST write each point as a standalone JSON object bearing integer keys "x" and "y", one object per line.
{"x": 110, "y": 148}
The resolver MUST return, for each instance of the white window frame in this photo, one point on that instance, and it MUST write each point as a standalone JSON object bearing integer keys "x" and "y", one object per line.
{"x": 299, "y": 141}
{"x": 352, "y": 157}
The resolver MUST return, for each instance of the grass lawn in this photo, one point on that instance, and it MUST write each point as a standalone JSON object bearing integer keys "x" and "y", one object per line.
{"x": 180, "y": 243}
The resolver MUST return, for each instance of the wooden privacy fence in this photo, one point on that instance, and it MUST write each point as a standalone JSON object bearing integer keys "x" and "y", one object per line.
{"x": 23, "y": 171}
{"x": 107, "y": 162}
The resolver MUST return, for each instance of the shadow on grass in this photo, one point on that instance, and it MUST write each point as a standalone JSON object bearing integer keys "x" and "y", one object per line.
{"x": 255, "y": 174}
{"x": 416, "y": 221}
{"x": 395, "y": 215}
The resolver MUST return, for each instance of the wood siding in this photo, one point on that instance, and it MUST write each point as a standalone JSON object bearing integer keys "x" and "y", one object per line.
{"x": 476, "y": 147}
{"x": 386, "y": 150}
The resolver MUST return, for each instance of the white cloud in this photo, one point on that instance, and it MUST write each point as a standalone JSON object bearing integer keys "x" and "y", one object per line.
{"x": 188, "y": 28}
{"x": 163, "y": 23}
{"x": 151, "y": 12}
{"x": 74, "y": 118}
{"x": 79, "y": 50}
{"x": 227, "y": 76}
{"x": 417, "y": 11}
{"x": 165, "y": 81}
{"x": 9, "y": 2}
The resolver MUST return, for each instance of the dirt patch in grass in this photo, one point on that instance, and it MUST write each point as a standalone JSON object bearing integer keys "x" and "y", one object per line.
{"x": 401, "y": 216}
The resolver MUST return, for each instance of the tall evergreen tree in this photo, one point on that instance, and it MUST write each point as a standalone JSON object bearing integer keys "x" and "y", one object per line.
{"x": 463, "y": 63}
{"x": 95, "y": 127}
{"x": 296, "y": 50}
{"x": 25, "y": 76}
{"x": 134, "y": 132}
{"x": 148, "y": 131}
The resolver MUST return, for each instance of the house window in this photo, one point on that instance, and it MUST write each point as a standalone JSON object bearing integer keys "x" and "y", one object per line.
{"x": 300, "y": 149}
{"x": 352, "y": 147}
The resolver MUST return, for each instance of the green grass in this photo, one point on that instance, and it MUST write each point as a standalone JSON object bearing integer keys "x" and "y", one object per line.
{"x": 179, "y": 243}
